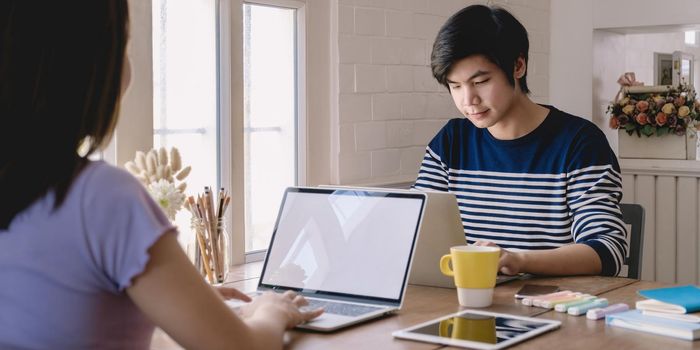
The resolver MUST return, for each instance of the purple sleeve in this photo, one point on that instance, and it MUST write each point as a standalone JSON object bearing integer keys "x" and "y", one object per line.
{"x": 121, "y": 222}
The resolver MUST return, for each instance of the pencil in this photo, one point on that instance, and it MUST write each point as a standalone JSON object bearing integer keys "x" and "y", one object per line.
{"x": 205, "y": 257}
{"x": 196, "y": 213}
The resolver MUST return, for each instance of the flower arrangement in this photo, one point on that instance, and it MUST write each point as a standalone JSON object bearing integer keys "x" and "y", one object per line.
{"x": 674, "y": 110}
{"x": 162, "y": 176}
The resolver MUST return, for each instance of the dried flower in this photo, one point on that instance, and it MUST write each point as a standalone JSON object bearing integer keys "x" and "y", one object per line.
{"x": 642, "y": 119}
{"x": 659, "y": 101}
{"x": 661, "y": 118}
{"x": 642, "y": 106}
{"x": 679, "y": 101}
{"x": 162, "y": 176}
{"x": 668, "y": 108}
{"x": 628, "y": 109}
{"x": 623, "y": 119}
{"x": 672, "y": 121}
{"x": 614, "y": 122}
{"x": 671, "y": 110}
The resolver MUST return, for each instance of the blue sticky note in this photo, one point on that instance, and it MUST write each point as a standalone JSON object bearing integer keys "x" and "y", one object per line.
{"x": 687, "y": 297}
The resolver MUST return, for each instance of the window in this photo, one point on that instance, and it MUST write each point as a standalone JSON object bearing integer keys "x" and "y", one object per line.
{"x": 271, "y": 115}
{"x": 691, "y": 38}
{"x": 185, "y": 90}
{"x": 193, "y": 71}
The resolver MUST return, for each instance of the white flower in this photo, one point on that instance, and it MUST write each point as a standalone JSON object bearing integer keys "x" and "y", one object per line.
{"x": 163, "y": 176}
{"x": 167, "y": 196}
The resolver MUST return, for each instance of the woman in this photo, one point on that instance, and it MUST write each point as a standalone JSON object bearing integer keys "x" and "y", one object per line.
{"x": 87, "y": 259}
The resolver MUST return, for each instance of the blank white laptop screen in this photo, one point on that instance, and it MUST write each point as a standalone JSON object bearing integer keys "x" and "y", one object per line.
{"x": 348, "y": 242}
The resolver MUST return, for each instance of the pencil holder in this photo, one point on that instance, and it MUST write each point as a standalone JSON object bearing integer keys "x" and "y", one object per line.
{"x": 213, "y": 250}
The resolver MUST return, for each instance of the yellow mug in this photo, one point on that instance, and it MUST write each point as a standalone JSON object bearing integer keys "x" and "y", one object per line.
{"x": 473, "y": 327}
{"x": 474, "y": 269}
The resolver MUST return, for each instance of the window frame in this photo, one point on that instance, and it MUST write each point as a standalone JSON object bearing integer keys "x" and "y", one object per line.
{"x": 231, "y": 119}
{"x": 134, "y": 131}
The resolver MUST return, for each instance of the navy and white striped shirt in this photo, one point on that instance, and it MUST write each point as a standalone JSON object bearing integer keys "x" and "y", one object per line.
{"x": 557, "y": 185}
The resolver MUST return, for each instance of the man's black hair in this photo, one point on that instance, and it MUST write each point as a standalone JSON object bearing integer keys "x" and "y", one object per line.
{"x": 480, "y": 30}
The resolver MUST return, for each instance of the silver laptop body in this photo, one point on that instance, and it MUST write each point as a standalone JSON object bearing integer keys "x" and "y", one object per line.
{"x": 347, "y": 250}
{"x": 441, "y": 229}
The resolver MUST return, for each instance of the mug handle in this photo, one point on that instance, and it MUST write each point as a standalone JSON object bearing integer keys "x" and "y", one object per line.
{"x": 445, "y": 327}
{"x": 445, "y": 265}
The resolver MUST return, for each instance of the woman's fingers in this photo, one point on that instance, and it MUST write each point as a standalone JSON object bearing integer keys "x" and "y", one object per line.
{"x": 300, "y": 301}
{"x": 232, "y": 293}
{"x": 310, "y": 315}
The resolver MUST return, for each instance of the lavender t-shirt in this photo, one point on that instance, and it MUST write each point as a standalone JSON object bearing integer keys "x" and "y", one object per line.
{"x": 64, "y": 272}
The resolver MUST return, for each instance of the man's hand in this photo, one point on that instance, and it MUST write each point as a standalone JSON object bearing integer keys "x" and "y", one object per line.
{"x": 510, "y": 263}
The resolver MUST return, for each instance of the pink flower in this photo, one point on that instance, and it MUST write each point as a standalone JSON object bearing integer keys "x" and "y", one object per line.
{"x": 661, "y": 118}
{"x": 679, "y": 101}
{"x": 614, "y": 122}
{"x": 642, "y": 119}
{"x": 642, "y": 106}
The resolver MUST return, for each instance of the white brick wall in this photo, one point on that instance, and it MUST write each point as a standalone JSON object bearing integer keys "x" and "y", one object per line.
{"x": 390, "y": 106}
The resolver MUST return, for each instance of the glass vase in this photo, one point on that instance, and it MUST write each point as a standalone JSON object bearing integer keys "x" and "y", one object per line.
{"x": 213, "y": 249}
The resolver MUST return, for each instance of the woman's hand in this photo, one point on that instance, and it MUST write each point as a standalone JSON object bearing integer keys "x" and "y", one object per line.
{"x": 232, "y": 293}
{"x": 281, "y": 306}
{"x": 510, "y": 263}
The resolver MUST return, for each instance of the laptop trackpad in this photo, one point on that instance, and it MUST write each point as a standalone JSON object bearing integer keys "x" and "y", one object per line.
{"x": 327, "y": 321}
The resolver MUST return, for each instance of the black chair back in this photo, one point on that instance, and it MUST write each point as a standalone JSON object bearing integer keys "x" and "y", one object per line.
{"x": 633, "y": 214}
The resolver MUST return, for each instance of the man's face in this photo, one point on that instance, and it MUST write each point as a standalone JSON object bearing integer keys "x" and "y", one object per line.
{"x": 481, "y": 91}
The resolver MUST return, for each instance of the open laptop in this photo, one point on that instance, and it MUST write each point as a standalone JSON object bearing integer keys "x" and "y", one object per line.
{"x": 441, "y": 229}
{"x": 349, "y": 251}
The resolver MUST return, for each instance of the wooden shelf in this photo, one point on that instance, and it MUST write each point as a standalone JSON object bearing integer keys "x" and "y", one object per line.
{"x": 660, "y": 167}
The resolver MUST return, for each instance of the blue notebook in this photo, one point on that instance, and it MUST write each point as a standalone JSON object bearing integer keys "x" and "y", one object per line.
{"x": 682, "y": 299}
{"x": 635, "y": 320}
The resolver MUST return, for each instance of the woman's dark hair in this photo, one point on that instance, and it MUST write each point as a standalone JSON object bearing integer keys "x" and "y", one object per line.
{"x": 480, "y": 30}
{"x": 60, "y": 80}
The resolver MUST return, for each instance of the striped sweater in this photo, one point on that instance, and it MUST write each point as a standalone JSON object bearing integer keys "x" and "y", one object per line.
{"x": 557, "y": 185}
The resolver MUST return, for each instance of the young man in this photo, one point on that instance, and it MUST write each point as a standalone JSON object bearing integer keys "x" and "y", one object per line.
{"x": 538, "y": 182}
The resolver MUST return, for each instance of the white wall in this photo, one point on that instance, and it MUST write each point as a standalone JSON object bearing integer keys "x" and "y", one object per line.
{"x": 134, "y": 132}
{"x": 571, "y": 64}
{"x": 318, "y": 84}
{"x": 635, "y": 13}
{"x": 609, "y": 62}
{"x": 389, "y": 105}
{"x": 570, "y": 57}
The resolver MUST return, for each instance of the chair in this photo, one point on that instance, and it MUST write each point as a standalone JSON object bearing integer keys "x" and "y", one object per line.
{"x": 633, "y": 214}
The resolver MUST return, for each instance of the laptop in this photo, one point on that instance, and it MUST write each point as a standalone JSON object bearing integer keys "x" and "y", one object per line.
{"x": 349, "y": 251}
{"x": 441, "y": 229}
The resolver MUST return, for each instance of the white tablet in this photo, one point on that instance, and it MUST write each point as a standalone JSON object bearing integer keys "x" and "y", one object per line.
{"x": 478, "y": 329}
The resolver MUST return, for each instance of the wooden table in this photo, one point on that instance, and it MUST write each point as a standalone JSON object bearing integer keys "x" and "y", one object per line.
{"x": 425, "y": 303}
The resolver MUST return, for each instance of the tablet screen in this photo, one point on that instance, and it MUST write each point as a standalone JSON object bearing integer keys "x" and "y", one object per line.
{"x": 488, "y": 329}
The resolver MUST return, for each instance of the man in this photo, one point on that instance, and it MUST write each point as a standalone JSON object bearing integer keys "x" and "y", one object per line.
{"x": 538, "y": 182}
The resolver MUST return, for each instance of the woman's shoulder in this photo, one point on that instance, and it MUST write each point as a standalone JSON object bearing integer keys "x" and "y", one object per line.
{"x": 101, "y": 173}
{"x": 100, "y": 179}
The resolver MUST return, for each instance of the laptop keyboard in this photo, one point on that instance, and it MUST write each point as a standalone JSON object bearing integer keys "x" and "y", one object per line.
{"x": 339, "y": 308}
